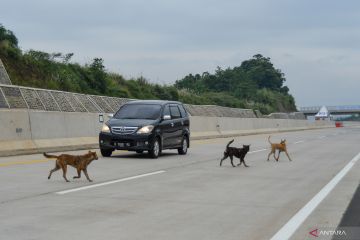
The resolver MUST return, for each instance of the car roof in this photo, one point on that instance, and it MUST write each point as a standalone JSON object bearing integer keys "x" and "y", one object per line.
{"x": 159, "y": 102}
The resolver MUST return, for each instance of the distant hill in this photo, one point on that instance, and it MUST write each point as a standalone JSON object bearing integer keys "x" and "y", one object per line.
{"x": 254, "y": 84}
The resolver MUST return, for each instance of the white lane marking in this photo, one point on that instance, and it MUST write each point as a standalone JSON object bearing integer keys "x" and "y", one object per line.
{"x": 321, "y": 137}
{"x": 299, "y": 142}
{"x": 260, "y": 150}
{"x": 110, "y": 182}
{"x": 294, "y": 223}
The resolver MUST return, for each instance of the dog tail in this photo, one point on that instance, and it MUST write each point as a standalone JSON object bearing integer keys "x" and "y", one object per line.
{"x": 229, "y": 143}
{"x": 269, "y": 139}
{"x": 50, "y": 156}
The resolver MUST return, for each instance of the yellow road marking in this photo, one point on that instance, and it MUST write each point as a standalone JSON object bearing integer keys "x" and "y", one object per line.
{"x": 22, "y": 162}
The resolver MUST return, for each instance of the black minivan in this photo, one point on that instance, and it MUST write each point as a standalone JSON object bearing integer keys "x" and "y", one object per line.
{"x": 147, "y": 125}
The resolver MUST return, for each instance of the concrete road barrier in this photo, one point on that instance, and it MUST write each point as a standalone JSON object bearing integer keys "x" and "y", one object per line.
{"x": 26, "y": 131}
{"x": 210, "y": 127}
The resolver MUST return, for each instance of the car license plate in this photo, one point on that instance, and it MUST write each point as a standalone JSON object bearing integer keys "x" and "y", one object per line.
{"x": 121, "y": 144}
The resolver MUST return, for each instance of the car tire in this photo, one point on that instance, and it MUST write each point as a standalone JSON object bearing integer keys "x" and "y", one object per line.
{"x": 155, "y": 150}
{"x": 106, "y": 152}
{"x": 184, "y": 146}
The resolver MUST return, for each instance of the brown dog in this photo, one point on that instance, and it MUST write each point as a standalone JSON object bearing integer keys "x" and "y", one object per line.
{"x": 278, "y": 146}
{"x": 79, "y": 162}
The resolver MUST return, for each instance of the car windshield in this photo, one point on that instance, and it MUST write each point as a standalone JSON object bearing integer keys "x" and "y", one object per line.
{"x": 139, "y": 111}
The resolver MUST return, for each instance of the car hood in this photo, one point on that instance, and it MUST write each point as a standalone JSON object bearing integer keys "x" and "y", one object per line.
{"x": 114, "y": 122}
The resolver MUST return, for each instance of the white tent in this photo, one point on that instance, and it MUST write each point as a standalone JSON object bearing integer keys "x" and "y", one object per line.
{"x": 323, "y": 113}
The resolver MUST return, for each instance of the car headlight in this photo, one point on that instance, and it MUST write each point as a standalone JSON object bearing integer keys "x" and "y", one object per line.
{"x": 145, "y": 129}
{"x": 105, "y": 128}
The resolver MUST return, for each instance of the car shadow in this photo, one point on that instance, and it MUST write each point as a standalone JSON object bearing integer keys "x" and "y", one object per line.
{"x": 145, "y": 155}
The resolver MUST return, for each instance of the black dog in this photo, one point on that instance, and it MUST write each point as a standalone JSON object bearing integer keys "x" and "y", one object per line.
{"x": 237, "y": 152}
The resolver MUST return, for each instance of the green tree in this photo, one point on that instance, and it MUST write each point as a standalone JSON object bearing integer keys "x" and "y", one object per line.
{"x": 8, "y": 38}
{"x": 98, "y": 75}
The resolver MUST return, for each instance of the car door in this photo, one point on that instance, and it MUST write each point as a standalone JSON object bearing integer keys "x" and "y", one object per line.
{"x": 177, "y": 124}
{"x": 166, "y": 127}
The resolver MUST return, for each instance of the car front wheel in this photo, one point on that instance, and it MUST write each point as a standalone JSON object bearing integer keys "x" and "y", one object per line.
{"x": 106, "y": 152}
{"x": 154, "y": 152}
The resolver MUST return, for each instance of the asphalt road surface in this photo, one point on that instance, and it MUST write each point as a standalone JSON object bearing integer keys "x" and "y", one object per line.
{"x": 188, "y": 197}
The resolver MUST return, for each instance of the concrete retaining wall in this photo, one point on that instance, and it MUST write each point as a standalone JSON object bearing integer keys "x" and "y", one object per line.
{"x": 28, "y": 131}
{"x": 205, "y": 127}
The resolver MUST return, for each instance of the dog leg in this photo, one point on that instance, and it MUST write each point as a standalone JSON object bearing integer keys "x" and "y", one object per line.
{"x": 274, "y": 153}
{"x": 53, "y": 170}
{"x": 64, "y": 168}
{"x": 277, "y": 159}
{"x": 79, "y": 173}
{"x": 243, "y": 160}
{"x": 86, "y": 174}
{"x": 288, "y": 155}
{"x": 239, "y": 163}
{"x": 225, "y": 156}
{"x": 269, "y": 155}
{"x": 232, "y": 161}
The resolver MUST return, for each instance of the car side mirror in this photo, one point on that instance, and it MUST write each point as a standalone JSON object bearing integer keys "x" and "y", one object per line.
{"x": 166, "y": 117}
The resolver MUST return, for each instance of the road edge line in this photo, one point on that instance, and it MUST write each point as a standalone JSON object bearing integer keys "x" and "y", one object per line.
{"x": 294, "y": 223}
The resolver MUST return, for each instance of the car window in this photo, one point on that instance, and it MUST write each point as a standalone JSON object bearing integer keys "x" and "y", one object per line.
{"x": 139, "y": 111}
{"x": 182, "y": 110}
{"x": 166, "y": 110}
{"x": 175, "y": 112}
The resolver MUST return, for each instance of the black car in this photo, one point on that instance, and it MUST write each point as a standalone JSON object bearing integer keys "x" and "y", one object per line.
{"x": 148, "y": 125}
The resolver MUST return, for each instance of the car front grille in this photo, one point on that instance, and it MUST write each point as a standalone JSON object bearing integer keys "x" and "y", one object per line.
{"x": 123, "y": 130}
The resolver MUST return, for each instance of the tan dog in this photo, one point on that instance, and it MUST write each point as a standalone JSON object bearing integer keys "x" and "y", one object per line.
{"x": 278, "y": 146}
{"x": 79, "y": 162}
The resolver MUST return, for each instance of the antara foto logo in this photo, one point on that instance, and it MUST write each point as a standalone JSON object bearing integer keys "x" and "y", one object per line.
{"x": 314, "y": 233}
{"x": 317, "y": 233}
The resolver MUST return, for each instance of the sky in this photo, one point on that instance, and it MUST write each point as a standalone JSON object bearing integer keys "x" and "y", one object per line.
{"x": 315, "y": 43}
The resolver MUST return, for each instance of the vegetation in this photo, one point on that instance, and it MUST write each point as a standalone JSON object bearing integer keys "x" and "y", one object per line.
{"x": 254, "y": 84}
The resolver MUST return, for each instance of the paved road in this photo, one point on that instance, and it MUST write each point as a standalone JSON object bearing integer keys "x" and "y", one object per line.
{"x": 183, "y": 197}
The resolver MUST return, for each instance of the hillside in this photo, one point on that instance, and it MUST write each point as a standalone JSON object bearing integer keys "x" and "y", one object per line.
{"x": 254, "y": 84}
